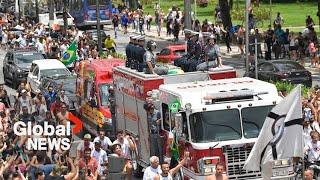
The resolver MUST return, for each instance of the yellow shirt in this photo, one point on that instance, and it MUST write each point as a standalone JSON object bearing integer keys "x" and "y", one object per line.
{"x": 108, "y": 43}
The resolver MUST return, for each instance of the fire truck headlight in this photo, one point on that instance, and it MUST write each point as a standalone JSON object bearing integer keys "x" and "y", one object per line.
{"x": 188, "y": 106}
{"x": 207, "y": 165}
{"x": 282, "y": 167}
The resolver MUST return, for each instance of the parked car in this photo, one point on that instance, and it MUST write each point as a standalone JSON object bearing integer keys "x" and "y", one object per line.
{"x": 66, "y": 83}
{"x": 16, "y": 65}
{"x": 171, "y": 53}
{"x": 45, "y": 68}
{"x": 282, "y": 70}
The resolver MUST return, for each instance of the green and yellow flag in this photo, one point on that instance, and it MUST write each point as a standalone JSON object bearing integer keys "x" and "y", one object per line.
{"x": 174, "y": 106}
{"x": 70, "y": 55}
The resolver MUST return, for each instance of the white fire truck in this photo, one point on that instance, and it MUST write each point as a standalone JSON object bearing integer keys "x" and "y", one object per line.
{"x": 219, "y": 118}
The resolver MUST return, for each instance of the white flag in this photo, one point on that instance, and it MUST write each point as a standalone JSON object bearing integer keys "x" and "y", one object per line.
{"x": 280, "y": 137}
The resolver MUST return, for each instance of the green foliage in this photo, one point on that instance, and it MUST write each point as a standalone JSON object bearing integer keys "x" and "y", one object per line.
{"x": 260, "y": 14}
{"x": 286, "y": 88}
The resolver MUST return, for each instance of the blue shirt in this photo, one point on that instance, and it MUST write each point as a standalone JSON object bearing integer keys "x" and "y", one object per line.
{"x": 154, "y": 127}
{"x": 50, "y": 98}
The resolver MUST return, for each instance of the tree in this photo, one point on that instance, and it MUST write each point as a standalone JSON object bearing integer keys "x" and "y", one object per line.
{"x": 225, "y": 13}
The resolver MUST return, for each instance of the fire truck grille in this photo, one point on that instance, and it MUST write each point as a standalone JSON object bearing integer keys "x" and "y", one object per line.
{"x": 236, "y": 157}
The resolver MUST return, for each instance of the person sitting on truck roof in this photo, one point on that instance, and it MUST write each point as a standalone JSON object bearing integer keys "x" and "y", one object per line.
{"x": 150, "y": 60}
{"x": 219, "y": 174}
{"x": 168, "y": 173}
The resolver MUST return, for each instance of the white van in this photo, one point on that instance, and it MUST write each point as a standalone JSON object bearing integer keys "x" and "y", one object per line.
{"x": 45, "y": 68}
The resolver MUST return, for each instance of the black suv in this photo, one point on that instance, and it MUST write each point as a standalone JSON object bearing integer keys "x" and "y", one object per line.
{"x": 17, "y": 63}
{"x": 69, "y": 86}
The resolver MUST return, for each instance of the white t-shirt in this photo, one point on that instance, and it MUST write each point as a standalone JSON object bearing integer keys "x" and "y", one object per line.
{"x": 169, "y": 177}
{"x": 40, "y": 47}
{"x": 313, "y": 151}
{"x": 125, "y": 146}
{"x": 150, "y": 173}
{"x": 105, "y": 143}
{"x": 101, "y": 158}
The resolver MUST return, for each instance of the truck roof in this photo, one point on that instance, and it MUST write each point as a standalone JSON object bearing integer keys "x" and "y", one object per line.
{"x": 49, "y": 64}
{"x": 196, "y": 92}
{"x": 106, "y": 65}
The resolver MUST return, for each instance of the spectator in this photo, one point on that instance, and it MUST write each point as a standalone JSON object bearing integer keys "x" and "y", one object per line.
{"x": 153, "y": 170}
{"x": 240, "y": 38}
{"x": 309, "y": 21}
{"x": 84, "y": 144}
{"x": 148, "y": 20}
{"x": 89, "y": 165}
{"x": 126, "y": 142}
{"x": 168, "y": 173}
{"x": 105, "y": 141}
{"x": 219, "y": 174}
{"x": 50, "y": 96}
{"x": 308, "y": 174}
{"x": 141, "y": 24}
{"x": 101, "y": 156}
{"x": 278, "y": 21}
{"x": 117, "y": 152}
{"x": 110, "y": 44}
{"x": 115, "y": 22}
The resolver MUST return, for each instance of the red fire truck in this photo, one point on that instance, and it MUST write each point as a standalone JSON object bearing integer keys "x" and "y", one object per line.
{"x": 218, "y": 119}
{"x": 93, "y": 80}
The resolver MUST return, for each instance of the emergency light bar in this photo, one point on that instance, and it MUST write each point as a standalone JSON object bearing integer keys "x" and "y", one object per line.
{"x": 232, "y": 95}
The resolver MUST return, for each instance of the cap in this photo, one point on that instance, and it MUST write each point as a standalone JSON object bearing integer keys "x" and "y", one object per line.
{"x": 212, "y": 36}
{"x": 136, "y": 37}
{"x": 38, "y": 91}
{"x": 131, "y": 36}
{"x": 141, "y": 38}
{"x": 23, "y": 91}
{"x": 187, "y": 31}
{"x": 97, "y": 143}
{"x": 193, "y": 33}
{"x": 87, "y": 136}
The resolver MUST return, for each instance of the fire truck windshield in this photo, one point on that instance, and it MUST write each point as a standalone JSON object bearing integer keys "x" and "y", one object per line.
{"x": 104, "y": 94}
{"x": 220, "y": 125}
{"x": 253, "y": 122}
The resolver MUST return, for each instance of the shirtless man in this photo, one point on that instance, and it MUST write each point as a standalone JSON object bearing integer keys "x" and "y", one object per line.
{"x": 219, "y": 175}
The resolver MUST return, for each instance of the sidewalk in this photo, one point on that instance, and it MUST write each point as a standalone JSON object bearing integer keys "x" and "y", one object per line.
{"x": 152, "y": 33}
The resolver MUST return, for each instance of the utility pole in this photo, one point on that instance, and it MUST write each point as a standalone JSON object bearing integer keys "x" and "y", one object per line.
{"x": 19, "y": 11}
{"x": 98, "y": 27}
{"x": 187, "y": 13}
{"x": 65, "y": 16}
{"x": 51, "y": 11}
{"x": 37, "y": 11}
{"x": 247, "y": 35}
{"x": 270, "y": 12}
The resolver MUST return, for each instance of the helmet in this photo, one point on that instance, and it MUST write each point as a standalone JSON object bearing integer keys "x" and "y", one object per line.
{"x": 151, "y": 44}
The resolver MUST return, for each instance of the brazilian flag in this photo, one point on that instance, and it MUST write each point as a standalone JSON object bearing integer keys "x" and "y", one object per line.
{"x": 70, "y": 55}
{"x": 174, "y": 153}
{"x": 174, "y": 106}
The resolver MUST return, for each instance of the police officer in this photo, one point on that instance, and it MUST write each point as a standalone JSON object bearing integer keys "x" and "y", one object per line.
{"x": 140, "y": 53}
{"x": 181, "y": 61}
{"x": 212, "y": 55}
{"x": 196, "y": 51}
{"x": 149, "y": 60}
{"x": 129, "y": 52}
{"x": 134, "y": 49}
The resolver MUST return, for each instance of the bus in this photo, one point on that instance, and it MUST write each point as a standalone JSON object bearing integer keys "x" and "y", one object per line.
{"x": 84, "y": 12}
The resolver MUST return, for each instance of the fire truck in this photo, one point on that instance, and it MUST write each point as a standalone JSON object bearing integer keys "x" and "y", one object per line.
{"x": 93, "y": 81}
{"x": 219, "y": 118}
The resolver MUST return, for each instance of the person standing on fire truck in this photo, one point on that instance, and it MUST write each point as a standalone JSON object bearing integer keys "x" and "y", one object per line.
{"x": 140, "y": 53}
{"x": 219, "y": 174}
{"x": 154, "y": 119}
{"x": 129, "y": 52}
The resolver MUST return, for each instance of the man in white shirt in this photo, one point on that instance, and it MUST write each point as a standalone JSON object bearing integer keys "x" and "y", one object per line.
{"x": 313, "y": 148}
{"x": 84, "y": 144}
{"x": 153, "y": 170}
{"x": 126, "y": 142}
{"x": 40, "y": 45}
{"x": 101, "y": 156}
{"x": 105, "y": 141}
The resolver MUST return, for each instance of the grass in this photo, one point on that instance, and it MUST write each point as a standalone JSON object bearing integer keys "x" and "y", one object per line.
{"x": 294, "y": 14}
